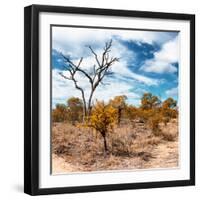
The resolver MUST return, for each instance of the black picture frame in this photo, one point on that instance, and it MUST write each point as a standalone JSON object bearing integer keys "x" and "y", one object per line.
{"x": 31, "y": 98}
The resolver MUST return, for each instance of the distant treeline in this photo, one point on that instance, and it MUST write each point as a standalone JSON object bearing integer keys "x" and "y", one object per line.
{"x": 150, "y": 109}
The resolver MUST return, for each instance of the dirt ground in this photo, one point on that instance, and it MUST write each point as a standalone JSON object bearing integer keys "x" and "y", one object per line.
{"x": 77, "y": 149}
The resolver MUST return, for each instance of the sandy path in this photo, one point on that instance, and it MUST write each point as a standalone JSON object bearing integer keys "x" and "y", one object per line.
{"x": 164, "y": 155}
{"x": 59, "y": 165}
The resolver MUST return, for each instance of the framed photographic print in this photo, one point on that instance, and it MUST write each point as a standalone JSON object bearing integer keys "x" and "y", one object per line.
{"x": 109, "y": 99}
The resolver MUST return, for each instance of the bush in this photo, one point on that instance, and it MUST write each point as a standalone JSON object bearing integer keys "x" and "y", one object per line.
{"x": 154, "y": 125}
{"x": 102, "y": 120}
{"x": 59, "y": 113}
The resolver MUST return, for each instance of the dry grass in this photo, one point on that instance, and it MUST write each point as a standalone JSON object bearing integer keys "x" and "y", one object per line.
{"x": 131, "y": 146}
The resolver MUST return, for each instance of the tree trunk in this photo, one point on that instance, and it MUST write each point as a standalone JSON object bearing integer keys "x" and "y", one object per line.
{"x": 119, "y": 116}
{"x": 84, "y": 112}
{"x": 84, "y": 106}
{"x": 105, "y": 143}
{"x": 89, "y": 104}
{"x": 90, "y": 100}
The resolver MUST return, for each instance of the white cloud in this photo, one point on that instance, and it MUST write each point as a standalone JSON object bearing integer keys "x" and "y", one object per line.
{"x": 172, "y": 92}
{"x": 145, "y": 36}
{"x": 163, "y": 59}
{"x": 60, "y": 87}
{"x": 169, "y": 52}
{"x": 158, "y": 66}
{"x": 72, "y": 40}
{"x": 119, "y": 68}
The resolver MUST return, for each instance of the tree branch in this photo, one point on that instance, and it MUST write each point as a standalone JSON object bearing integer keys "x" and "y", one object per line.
{"x": 76, "y": 86}
{"x": 99, "y": 71}
{"x": 95, "y": 55}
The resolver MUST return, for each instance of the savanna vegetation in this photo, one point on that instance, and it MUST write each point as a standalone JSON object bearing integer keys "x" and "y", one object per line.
{"x": 95, "y": 135}
{"x": 115, "y": 133}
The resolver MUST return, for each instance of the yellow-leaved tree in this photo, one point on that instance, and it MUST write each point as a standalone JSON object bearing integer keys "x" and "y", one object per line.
{"x": 119, "y": 103}
{"x": 59, "y": 113}
{"x": 169, "y": 110}
{"x": 102, "y": 119}
{"x": 74, "y": 109}
{"x": 149, "y": 101}
{"x": 131, "y": 112}
{"x": 149, "y": 111}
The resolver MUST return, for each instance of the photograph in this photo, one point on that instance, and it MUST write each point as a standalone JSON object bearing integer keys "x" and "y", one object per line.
{"x": 109, "y": 99}
{"x": 114, "y": 99}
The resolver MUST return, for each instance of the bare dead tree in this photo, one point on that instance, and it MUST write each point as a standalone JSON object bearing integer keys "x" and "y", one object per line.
{"x": 72, "y": 70}
{"x": 101, "y": 68}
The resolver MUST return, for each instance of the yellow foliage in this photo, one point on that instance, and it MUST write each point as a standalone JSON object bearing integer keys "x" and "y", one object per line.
{"x": 74, "y": 110}
{"x": 154, "y": 122}
{"x": 131, "y": 112}
{"x": 102, "y": 117}
{"x": 149, "y": 101}
{"x": 168, "y": 110}
{"x": 119, "y": 103}
{"x": 59, "y": 113}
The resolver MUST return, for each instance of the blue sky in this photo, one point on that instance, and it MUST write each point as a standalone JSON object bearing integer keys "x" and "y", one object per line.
{"x": 148, "y": 62}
